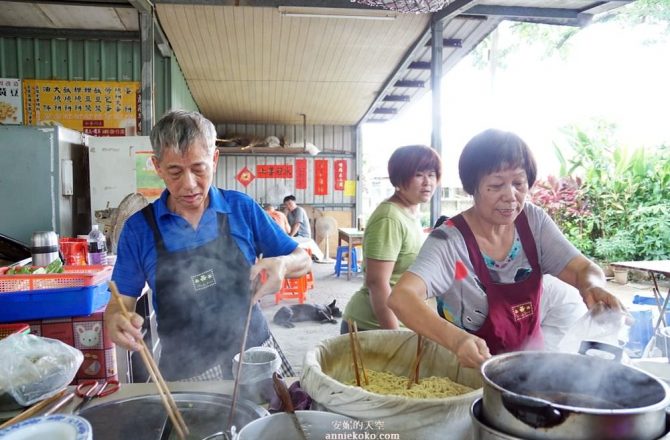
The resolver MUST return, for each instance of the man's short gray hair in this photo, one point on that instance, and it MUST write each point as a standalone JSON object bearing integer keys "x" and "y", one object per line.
{"x": 177, "y": 130}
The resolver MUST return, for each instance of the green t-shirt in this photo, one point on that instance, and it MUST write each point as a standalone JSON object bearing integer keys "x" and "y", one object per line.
{"x": 391, "y": 234}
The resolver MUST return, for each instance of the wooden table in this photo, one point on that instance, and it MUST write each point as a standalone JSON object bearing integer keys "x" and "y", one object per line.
{"x": 353, "y": 237}
{"x": 653, "y": 268}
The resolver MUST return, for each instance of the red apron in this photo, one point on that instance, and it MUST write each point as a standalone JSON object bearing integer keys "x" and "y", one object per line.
{"x": 513, "y": 322}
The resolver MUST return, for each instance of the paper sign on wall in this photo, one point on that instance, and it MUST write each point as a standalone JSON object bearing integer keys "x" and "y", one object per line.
{"x": 99, "y": 108}
{"x": 320, "y": 177}
{"x": 340, "y": 174}
{"x": 301, "y": 174}
{"x": 274, "y": 171}
{"x": 245, "y": 176}
{"x": 350, "y": 188}
{"x": 149, "y": 183}
{"x": 11, "y": 106}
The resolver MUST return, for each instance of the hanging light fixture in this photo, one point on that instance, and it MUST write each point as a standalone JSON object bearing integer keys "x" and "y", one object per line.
{"x": 407, "y": 6}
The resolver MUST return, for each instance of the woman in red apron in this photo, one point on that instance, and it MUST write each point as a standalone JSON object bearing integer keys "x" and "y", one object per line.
{"x": 485, "y": 265}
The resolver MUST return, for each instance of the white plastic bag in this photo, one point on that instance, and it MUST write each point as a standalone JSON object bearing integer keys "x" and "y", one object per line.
{"x": 33, "y": 368}
{"x": 598, "y": 324}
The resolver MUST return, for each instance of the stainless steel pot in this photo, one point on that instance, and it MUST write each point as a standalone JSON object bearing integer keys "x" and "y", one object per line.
{"x": 143, "y": 417}
{"x": 541, "y": 395}
{"x": 315, "y": 424}
{"x": 482, "y": 430}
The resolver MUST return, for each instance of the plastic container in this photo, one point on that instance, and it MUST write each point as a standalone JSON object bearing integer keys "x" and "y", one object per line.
{"x": 256, "y": 374}
{"x": 97, "y": 246}
{"x": 74, "y": 250}
{"x": 73, "y": 276}
{"x": 52, "y": 303}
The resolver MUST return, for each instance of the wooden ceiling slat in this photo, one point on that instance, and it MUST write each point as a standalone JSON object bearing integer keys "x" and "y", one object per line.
{"x": 251, "y": 64}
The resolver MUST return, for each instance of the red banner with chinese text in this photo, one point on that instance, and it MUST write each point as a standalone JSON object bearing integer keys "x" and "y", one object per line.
{"x": 301, "y": 174}
{"x": 274, "y": 171}
{"x": 339, "y": 174}
{"x": 320, "y": 177}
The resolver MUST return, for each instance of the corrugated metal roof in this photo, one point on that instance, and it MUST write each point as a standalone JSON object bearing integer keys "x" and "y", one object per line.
{"x": 267, "y": 61}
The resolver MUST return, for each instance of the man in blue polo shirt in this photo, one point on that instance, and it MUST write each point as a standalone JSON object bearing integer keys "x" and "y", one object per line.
{"x": 197, "y": 247}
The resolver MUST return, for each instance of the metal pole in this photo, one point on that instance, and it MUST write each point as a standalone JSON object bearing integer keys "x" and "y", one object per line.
{"x": 147, "y": 75}
{"x": 437, "y": 30}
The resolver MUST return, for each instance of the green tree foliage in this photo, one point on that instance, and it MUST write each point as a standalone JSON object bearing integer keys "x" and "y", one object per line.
{"x": 623, "y": 199}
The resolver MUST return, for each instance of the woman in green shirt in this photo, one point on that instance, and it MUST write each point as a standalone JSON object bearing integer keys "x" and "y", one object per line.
{"x": 393, "y": 236}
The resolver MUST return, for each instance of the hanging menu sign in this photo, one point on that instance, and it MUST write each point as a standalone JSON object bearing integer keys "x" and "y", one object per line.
{"x": 11, "y": 107}
{"x": 340, "y": 174}
{"x": 320, "y": 177}
{"x": 99, "y": 108}
{"x": 301, "y": 174}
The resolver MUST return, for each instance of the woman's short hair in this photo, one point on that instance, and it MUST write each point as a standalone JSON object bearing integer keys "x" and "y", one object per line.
{"x": 494, "y": 150}
{"x": 178, "y": 130}
{"x": 406, "y": 161}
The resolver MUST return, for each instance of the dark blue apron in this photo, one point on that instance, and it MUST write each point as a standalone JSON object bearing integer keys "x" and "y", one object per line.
{"x": 202, "y": 296}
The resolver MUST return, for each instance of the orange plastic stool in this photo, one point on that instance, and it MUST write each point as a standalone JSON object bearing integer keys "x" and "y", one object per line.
{"x": 293, "y": 288}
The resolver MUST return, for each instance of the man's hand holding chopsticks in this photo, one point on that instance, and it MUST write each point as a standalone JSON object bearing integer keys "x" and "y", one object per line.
{"x": 124, "y": 332}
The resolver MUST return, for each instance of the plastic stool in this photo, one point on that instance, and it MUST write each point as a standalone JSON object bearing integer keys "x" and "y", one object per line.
{"x": 293, "y": 288}
{"x": 341, "y": 252}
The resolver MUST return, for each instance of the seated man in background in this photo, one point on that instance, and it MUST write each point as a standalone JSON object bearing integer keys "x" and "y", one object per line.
{"x": 297, "y": 218}
{"x": 278, "y": 216}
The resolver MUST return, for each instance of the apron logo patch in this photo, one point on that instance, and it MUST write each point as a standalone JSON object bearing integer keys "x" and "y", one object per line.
{"x": 522, "y": 311}
{"x": 203, "y": 280}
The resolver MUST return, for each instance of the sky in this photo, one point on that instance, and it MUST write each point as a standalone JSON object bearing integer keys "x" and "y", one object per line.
{"x": 610, "y": 74}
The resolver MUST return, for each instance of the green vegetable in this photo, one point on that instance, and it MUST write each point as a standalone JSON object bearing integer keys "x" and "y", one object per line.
{"x": 56, "y": 266}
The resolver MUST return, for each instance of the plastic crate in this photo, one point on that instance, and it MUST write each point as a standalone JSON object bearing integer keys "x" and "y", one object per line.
{"x": 10, "y": 329}
{"x": 73, "y": 276}
{"x": 52, "y": 303}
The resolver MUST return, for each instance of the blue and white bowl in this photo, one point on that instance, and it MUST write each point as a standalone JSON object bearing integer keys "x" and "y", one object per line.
{"x": 53, "y": 427}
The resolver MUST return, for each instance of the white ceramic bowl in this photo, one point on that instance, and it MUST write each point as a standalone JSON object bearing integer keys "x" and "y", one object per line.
{"x": 54, "y": 427}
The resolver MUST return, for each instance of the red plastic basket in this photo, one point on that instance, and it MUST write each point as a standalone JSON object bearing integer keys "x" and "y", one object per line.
{"x": 73, "y": 276}
{"x": 10, "y": 329}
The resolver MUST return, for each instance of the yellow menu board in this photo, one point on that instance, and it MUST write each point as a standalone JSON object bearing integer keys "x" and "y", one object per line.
{"x": 99, "y": 108}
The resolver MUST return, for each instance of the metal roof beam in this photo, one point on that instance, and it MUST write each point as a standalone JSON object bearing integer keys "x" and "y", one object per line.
{"x": 600, "y": 7}
{"x": 273, "y": 3}
{"x": 453, "y": 9}
{"x": 142, "y": 5}
{"x": 419, "y": 65}
{"x": 94, "y": 3}
{"x": 73, "y": 34}
{"x": 396, "y": 98}
{"x": 567, "y": 17}
{"x": 410, "y": 84}
{"x": 385, "y": 111}
{"x": 523, "y": 12}
{"x": 448, "y": 42}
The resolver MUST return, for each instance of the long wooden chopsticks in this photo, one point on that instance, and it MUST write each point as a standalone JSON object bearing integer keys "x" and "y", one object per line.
{"x": 168, "y": 401}
{"x": 357, "y": 353}
{"x": 33, "y": 410}
{"x": 413, "y": 376}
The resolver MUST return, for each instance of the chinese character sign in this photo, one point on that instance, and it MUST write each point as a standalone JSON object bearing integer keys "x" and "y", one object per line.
{"x": 340, "y": 173}
{"x": 301, "y": 174}
{"x": 320, "y": 177}
{"x": 274, "y": 171}
{"x": 99, "y": 108}
{"x": 11, "y": 107}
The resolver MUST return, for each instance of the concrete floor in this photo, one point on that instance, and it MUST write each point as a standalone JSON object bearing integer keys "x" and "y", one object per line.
{"x": 305, "y": 335}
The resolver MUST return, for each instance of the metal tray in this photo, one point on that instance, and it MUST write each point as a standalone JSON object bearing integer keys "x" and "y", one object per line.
{"x": 143, "y": 417}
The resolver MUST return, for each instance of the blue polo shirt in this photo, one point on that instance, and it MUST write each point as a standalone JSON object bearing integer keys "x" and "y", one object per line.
{"x": 253, "y": 230}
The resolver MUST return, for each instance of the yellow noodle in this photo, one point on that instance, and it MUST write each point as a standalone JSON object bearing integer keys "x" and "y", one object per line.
{"x": 428, "y": 388}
